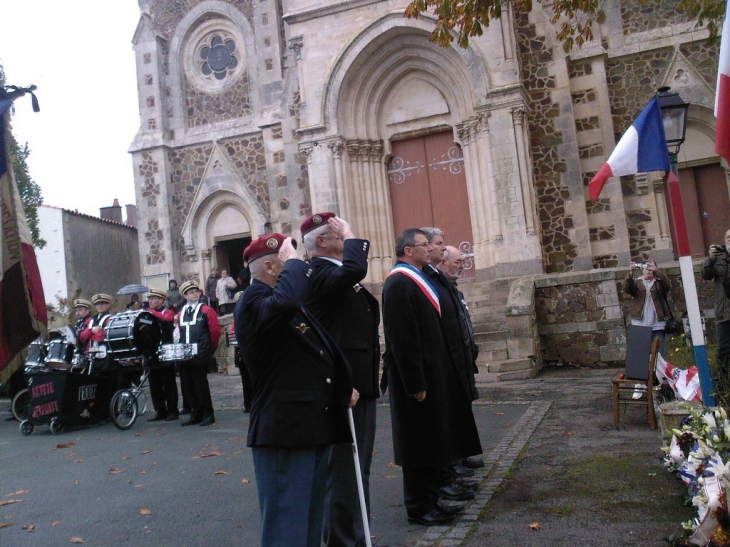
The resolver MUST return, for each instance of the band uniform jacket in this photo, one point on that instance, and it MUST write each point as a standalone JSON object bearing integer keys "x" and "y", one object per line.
{"x": 205, "y": 331}
{"x": 415, "y": 360}
{"x": 301, "y": 381}
{"x": 349, "y": 313}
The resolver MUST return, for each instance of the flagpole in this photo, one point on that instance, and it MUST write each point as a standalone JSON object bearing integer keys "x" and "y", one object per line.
{"x": 688, "y": 281}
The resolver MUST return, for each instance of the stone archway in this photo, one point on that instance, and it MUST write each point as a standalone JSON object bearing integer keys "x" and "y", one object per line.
{"x": 394, "y": 86}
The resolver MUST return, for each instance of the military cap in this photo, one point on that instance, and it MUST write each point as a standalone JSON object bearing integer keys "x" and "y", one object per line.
{"x": 187, "y": 286}
{"x": 315, "y": 221}
{"x": 101, "y": 298}
{"x": 82, "y": 303}
{"x": 158, "y": 293}
{"x": 265, "y": 245}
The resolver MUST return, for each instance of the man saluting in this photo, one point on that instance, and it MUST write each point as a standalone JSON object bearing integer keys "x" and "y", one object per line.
{"x": 301, "y": 387}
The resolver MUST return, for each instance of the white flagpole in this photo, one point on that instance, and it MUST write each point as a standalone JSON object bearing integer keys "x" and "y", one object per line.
{"x": 358, "y": 475}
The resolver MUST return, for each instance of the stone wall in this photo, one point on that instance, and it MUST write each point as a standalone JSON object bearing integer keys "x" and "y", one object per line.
{"x": 582, "y": 316}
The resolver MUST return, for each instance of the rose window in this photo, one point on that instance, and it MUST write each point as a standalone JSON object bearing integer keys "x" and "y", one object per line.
{"x": 218, "y": 57}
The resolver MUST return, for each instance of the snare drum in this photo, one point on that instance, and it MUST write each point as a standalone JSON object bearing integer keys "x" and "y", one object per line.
{"x": 60, "y": 348}
{"x": 133, "y": 334}
{"x": 36, "y": 355}
{"x": 178, "y": 352}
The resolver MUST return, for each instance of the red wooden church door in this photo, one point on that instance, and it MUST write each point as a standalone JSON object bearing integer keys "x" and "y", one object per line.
{"x": 428, "y": 188}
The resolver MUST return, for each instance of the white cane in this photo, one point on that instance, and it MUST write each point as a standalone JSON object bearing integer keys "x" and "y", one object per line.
{"x": 358, "y": 475}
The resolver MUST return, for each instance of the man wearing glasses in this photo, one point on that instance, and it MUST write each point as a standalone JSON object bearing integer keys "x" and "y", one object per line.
{"x": 419, "y": 384}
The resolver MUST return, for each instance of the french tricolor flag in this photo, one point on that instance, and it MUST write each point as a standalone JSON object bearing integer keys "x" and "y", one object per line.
{"x": 722, "y": 98}
{"x": 642, "y": 148}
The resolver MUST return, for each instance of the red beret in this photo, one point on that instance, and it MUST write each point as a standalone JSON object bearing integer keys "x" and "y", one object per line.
{"x": 315, "y": 221}
{"x": 265, "y": 244}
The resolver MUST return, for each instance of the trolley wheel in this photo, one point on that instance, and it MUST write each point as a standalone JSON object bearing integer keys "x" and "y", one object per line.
{"x": 123, "y": 409}
{"x": 26, "y": 428}
{"x": 57, "y": 426}
{"x": 21, "y": 405}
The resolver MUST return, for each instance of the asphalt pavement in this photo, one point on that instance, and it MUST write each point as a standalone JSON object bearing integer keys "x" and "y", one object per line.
{"x": 556, "y": 473}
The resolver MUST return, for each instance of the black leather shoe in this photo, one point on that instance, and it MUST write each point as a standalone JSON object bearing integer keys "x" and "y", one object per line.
{"x": 432, "y": 518}
{"x": 472, "y": 462}
{"x": 466, "y": 483}
{"x": 450, "y": 509}
{"x": 208, "y": 420}
{"x": 171, "y": 418}
{"x": 457, "y": 493}
{"x": 191, "y": 421}
{"x": 157, "y": 418}
{"x": 461, "y": 471}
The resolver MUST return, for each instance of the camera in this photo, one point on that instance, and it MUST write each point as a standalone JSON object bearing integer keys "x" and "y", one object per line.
{"x": 720, "y": 248}
{"x": 640, "y": 266}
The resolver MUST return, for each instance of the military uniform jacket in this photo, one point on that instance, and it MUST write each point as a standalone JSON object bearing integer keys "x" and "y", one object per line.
{"x": 300, "y": 381}
{"x": 349, "y": 313}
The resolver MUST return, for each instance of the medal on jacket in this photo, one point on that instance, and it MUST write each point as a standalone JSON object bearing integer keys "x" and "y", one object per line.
{"x": 357, "y": 287}
{"x": 303, "y": 328}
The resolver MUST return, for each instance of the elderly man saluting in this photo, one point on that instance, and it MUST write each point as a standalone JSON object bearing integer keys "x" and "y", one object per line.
{"x": 301, "y": 387}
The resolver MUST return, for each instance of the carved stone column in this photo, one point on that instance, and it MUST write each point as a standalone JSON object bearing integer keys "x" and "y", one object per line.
{"x": 525, "y": 172}
{"x": 467, "y": 133}
{"x": 337, "y": 147}
{"x": 491, "y": 203}
{"x": 296, "y": 44}
{"x": 206, "y": 254}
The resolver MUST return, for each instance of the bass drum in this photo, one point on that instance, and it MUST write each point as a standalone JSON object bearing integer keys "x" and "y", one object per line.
{"x": 133, "y": 334}
{"x": 60, "y": 348}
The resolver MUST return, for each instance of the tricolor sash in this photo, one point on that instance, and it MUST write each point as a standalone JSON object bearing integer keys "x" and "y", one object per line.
{"x": 421, "y": 282}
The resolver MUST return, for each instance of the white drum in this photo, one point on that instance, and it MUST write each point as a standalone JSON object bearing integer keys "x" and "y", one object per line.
{"x": 178, "y": 352}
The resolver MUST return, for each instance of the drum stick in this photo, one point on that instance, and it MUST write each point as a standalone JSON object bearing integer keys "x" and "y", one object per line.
{"x": 358, "y": 475}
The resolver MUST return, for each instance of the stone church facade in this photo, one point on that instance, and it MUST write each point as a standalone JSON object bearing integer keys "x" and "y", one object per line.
{"x": 255, "y": 113}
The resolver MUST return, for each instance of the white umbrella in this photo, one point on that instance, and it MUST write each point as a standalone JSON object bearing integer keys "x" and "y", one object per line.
{"x": 132, "y": 289}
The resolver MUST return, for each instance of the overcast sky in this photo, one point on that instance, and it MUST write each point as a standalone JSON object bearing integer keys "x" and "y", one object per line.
{"x": 79, "y": 54}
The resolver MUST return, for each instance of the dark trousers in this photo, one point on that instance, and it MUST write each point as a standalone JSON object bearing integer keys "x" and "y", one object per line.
{"x": 342, "y": 517}
{"x": 194, "y": 381}
{"x": 421, "y": 489}
{"x": 163, "y": 389}
{"x": 291, "y": 485}
{"x": 722, "y": 329}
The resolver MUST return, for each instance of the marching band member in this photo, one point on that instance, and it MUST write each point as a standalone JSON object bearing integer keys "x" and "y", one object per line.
{"x": 163, "y": 386}
{"x": 198, "y": 324}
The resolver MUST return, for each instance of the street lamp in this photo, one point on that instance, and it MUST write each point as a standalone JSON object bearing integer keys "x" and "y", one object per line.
{"x": 674, "y": 119}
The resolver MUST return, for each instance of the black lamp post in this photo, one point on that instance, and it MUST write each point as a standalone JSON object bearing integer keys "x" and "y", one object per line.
{"x": 674, "y": 119}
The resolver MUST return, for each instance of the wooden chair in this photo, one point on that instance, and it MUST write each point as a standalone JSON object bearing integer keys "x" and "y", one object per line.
{"x": 624, "y": 388}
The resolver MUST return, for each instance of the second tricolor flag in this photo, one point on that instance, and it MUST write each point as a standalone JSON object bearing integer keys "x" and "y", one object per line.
{"x": 642, "y": 148}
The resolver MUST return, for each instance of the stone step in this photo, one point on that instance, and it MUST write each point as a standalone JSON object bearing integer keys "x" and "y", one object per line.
{"x": 489, "y": 336}
{"x": 511, "y": 365}
{"x": 485, "y": 327}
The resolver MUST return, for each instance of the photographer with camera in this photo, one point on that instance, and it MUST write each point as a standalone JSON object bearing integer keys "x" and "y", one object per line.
{"x": 649, "y": 306}
{"x": 716, "y": 267}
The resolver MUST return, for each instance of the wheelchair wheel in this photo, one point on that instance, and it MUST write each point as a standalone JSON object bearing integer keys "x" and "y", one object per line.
{"x": 26, "y": 428}
{"x": 21, "y": 404}
{"x": 57, "y": 426}
{"x": 123, "y": 409}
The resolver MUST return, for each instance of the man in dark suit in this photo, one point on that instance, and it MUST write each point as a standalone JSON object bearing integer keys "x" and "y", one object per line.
{"x": 418, "y": 376}
{"x": 461, "y": 365}
{"x": 350, "y": 314}
{"x": 301, "y": 387}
